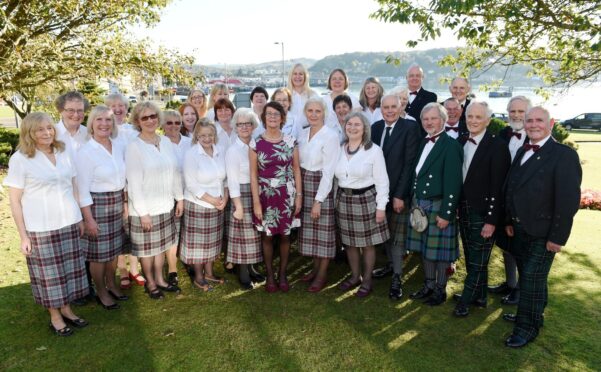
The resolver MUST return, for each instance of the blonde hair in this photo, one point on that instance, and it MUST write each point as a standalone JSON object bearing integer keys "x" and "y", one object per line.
{"x": 29, "y": 126}
{"x": 203, "y": 123}
{"x": 96, "y": 112}
{"x": 307, "y": 91}
{"x": 137, "y": 111}
{"x": 203, "y": 106}
{"x": 219, "y": 87}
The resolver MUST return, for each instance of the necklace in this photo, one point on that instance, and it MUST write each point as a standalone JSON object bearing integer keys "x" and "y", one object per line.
{"x": 353, "y": 152}
{"x": 273, "y": 140}
{"x": 154, "y": 141}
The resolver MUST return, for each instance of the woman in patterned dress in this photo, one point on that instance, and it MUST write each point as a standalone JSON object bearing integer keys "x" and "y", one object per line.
{"x": 276, "y": 190}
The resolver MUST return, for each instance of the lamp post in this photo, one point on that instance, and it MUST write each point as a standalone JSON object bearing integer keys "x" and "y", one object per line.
{"x": 283, "y": 63}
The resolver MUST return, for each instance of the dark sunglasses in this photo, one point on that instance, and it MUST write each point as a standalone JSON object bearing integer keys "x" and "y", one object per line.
{"x": 149, "y": 117}
{"x": 173, "y": 123}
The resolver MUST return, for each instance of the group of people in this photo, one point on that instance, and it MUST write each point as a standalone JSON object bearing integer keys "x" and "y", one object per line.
{"x": 396, "y": 170}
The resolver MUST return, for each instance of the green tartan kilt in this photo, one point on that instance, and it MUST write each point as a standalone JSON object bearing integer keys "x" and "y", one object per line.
{"x": 433, "y": 243}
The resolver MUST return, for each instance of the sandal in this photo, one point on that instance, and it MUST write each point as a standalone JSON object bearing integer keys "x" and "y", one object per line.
{"x": 271, "y": 287}
{"x": 363, "y": 292}
{"x": 284, "y": 286}
{"x": 138, "y": 278}
{"x": 309, "y": 277}
{"x": 169, "y": 288}
{"x": 125, "y": 282}
{"x": 215, "y": 279}
{"x": 317, "y": 286}
{"x": 63, "y": 332}
{"x": 156, "y": 294}
{"x": 347, "y": 285}
{"x": 203, "y": 286}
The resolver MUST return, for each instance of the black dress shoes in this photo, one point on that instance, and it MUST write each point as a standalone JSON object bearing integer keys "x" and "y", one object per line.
{"x": 515, "y": 341}
{"x": 396, "y": 291}
{"x": 479, "y": 302}
{"x": 512, "y": 298}
{"x": 424, "y": 292}
{"x": 439, "y": 296}
{"x": 255, "y": 276}
{"x": 382, "y": 272}
{"x": 461, "y": 310}
{"x": 502, "y": 289}
{"x": 246, "y": 286}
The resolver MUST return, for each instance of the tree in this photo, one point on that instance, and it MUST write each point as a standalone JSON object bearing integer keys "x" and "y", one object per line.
{"x": 56, "y": 43}
{"x": 559, "y": 39}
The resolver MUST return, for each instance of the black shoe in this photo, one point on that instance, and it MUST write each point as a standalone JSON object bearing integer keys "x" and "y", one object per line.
{"x": 118, "y": 298}
{"x": 439, "y": 296}
{"x": 63, "y": 332}
{"x": 461, "y": 310}
{"x": 172, "y": 279}
{"x": 502, "y": 289}
{"x": 114, "y": 306}
{"x": 79, "y": 302}
{"x": 382, "y": 272}
{"x": 515, "y": 341}
{"x": 246, "y": 286}
{"x": 481, "y": 302}
{"x": 77, "y": 322}
{"x": 512, "y": 298}
{"x": 255, "y": 276}
{"x": 510, "y": 317}
{"x": 424, "y": 292}
{"x": 169, "y": 288}
{"x": 395, "y": 292}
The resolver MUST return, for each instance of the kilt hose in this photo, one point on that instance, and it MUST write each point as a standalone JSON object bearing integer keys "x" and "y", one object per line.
{"x": 107, "y": 210}
{"x": 356, "y": 219}
{"x": 477, "y": 252}
{"x": 161, "y": 236}
{"x": 433, "y": 243}
{"x": 243, "y": 239}
{"x": 56, "y": 267}
{"x": 202, "y": 234}
{"x": 534, "y": 263}
{"x": 317, "y": 238}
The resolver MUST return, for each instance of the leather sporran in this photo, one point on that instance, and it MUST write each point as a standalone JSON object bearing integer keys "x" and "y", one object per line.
{"x": 418, "y": 219}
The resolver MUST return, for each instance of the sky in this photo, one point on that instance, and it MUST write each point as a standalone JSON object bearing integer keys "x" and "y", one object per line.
{"x": 244, "y": 31}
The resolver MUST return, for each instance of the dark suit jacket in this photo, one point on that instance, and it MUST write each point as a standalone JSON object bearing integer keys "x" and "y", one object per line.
{"x": 462, "y": 123}
{"x": 483, "y": 185}
{"x": 414, "y": 108}
{"x": 544, "y": 193}
{"x": 400, "y": 152}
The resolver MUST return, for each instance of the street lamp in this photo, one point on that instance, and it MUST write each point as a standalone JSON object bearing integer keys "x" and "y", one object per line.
{"x": 283, "y": 63}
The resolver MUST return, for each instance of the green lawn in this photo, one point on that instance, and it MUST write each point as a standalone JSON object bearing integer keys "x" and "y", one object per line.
{"x": 233, "y": 330}
{"x": 6, "y": 112}
{"x": 584, "y": 135}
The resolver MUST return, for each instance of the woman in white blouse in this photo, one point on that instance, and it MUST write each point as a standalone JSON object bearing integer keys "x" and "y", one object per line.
{"x": 205, "y": 200}
{"x": 218, "y": 91}
{"x": 172, "y": 126}
{"x": 153, "y": 184}
{"x": 293, "y": 126}
{"x": 41, "y": 187}
{"x": 318, "y": 151}
{"x": 370, "y": 98}
{"x": 361, "y": 201}
{"x": 298, "y": 84}
{"x": 342, "y": 106}
{"x": 338, "y": 84}
{"x": 189, "y": 117}
{"x": 101, "y": 182}
{"x": 224, "y": 111}
{"x": 198, "y": 99}
{"x": 243, "y": 240}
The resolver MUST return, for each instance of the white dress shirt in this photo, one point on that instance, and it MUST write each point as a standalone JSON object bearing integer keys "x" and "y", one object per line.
{"x": 427, "y": 148}
{"x": 384, "y": 132}
{"x": 451, "y": 133}
{"x": 99, "y": 170}
{"x": 412, "y": 96}
{"x": 48, "y": 202}
{"x": 529, "y": 153}
{"x": 180, "y": 150}
{"x": 225, "y": 140}
{"x": 320, "y": 153}
{"x": 292, "y": 127}
{"x": 363, "y": 169}
{"x": 204, "y": 174}
{"x": 153, "y": 181}
{"x": 515, "y": 143}
{"x": 372, "y": 116}
{"x": 469, "y": 149}
{"x": 72, "y": 142}
{"x": 237, "y": 167}
{"x": 127, "y": 133}
{"x": 297, "y": 106}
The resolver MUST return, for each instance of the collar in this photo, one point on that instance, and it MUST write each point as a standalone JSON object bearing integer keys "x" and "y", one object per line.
{"x": 542, "y": 142}
{"x": 479, "y": 137}
{"x": 201, "y": 150}
{"x": 240, "y": 143}
{"x": 436, "y": 136}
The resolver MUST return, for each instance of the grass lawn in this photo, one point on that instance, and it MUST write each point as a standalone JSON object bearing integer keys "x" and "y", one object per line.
{"x": 228, "y": 329}
{"x": 6, "y": 112}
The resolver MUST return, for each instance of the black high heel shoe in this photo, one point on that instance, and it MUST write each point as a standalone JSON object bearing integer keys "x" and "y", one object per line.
{"x": 118, "y": 298}
{"x": 114, "y": 306}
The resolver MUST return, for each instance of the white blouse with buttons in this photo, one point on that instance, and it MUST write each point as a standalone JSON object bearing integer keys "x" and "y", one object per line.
{"x": 48, "y": 202}
{"x": 320, "y": 153}
{"x": 225, "y": 140}
{"x": 180, "y": 150}
{"x": 364, "y": 169}
{"x": 237, "y": 167}
{"x": 72, "y": 142}
{"x": 204, "y": 174}
{"x": 99, "y": 170}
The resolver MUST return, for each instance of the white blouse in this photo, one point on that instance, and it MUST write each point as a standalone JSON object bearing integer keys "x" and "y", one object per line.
{"x": 373, "y": 116}
{"x": 237, "y": 167}
{"x": 153, "y": 182}
{"x": 223, "y": 139}
{"x": 293, "y": 126}
{"x": 297, "y": 106}
{"x": 204, "y": 174}
{"x": 331, "y": 118}
{"x": 180, "y": 150}
{"x": 48, "y": 202}
{"x": 98, "y": 170}
{"x": 365, "y": 168}
{"x": 127, "y": 133}
{"x": 320, "y": 153}
{"x": 72, "y": 142}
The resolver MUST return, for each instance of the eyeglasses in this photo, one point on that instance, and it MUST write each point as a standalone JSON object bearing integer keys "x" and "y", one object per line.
{"x": 173, "y": 123}
{"x": 194, "y": 98}
{"x": 285, "y": 100}
{"x": 72, "y": 111}
{"x": 206, "y": 136}
{"x": 149, "y": 117}
{"x": 273, "y": 114}
{"x": 244, "y": 124}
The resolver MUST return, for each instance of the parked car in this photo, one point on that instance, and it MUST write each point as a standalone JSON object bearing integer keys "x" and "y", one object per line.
{"x": 584, "y": 121}
{"x": 133, "y": 99}
{"x": 242, "y": 99}
{"x": 501, "y": 116}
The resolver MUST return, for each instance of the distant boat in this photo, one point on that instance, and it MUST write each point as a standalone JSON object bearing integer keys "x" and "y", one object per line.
{"x": 501, "y": 93}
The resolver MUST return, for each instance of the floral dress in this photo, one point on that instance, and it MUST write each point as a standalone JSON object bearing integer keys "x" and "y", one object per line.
{"x": 276, "y": 185}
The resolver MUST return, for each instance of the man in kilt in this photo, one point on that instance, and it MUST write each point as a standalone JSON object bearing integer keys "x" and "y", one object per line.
{"x": 542, "y": 195}
{"x": 399, "y": 140}
{"x": 485, "y": 164}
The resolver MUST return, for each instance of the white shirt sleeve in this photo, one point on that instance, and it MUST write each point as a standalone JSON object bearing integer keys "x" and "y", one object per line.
{"x": 380, "y": 178}
{"x": 232, "y": 168}
{"x": 135, "y": 178}
{"x": 190, "y": 169}
{"x": 85, "y": 172}
{"x": 330, "y": 153}
{"x": 16, "y": 172}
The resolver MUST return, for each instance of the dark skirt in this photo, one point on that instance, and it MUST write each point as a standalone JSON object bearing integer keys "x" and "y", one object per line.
{"x": 317, "y": 238}
{"x": 243, "y": 239}
{"x": 202, "y": 234}
{"x": 433, "y": 243}
{"x": 57, "y": 267}
{"x": 160, "y": 238}
{"x": 356, "y": 219}
{"x": 107, "y": 210}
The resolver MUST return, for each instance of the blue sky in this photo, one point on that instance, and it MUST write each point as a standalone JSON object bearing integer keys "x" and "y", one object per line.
{"x": 239, "y": 31}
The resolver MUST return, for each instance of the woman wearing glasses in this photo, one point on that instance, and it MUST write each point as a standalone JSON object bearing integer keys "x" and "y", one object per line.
{"x": 198, "y": 99}
{"x": 153, "y": 183}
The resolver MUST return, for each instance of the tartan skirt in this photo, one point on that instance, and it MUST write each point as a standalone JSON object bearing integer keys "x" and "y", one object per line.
{"x": 202, "y": 234}
{"x": 160, "y": 238}
{"x": 356, "y": 219}
{"x": 243, "y": 239}
{"x": 317, "y": 238}
{"x": 57, "y": 267}
{"x": 433, "y": 243}
{"x": 107, "y": 210}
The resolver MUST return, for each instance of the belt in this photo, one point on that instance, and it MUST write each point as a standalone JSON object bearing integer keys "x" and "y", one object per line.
{"x": 356, "y": 191}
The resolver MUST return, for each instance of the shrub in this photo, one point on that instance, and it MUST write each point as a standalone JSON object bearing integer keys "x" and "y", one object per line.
{"x": 590, "y": 199}
{"x": 9, "y": 139}
{"x": 173, "y": 105}
{"x": 496, "y": 125}
{"x": 560, "y": 133}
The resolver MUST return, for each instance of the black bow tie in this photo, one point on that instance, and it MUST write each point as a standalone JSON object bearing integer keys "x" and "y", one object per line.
{"x": 517, "y": 134}
{"x": 456, "y": 129}
{"x": 433, "y": 138}
{"x": 413, "y": 93}
{"x": 472, "y": 141}
{"x": 528, "y": 146}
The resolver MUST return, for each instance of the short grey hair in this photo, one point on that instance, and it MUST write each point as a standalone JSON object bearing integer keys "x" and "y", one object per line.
{"x": 484, "y": 104}
{"x": 245, "y": 113}
{"x": 520, "y": 98}
{"x": 116, "y": 97}
{"x": 320, "y": 102}
{"x": 544, "y": 110}
{"x": 450, "y": 99}
{"x": 461, "y": 78}
{"x": 442, "y": 112}
{"x": 393, "y": 96}
{"x": 415, "y": 65}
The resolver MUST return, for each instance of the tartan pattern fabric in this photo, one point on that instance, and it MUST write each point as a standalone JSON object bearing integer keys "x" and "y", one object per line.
{"x": 202, "y": 234}
{"x": 126, "y": 248}
{"x": 398, "y": 223}
{"x": 160, "y": 238}
{"x": 56, "y": 267}
{"x": 107, "y": 210}
{"x": 356, "y": 219}
{"x": 534, "y": 263}
{"x": 477, "y": 252}
{"x": 243, "y": 240}
{"x": 316, "y": 238}
{"x": 433, "y": 243}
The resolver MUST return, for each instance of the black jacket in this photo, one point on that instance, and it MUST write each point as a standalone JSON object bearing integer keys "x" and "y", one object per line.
{"x": 414, "y": 108}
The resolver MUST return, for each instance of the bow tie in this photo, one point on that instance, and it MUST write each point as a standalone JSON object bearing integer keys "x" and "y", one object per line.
{"x": 456, "y": 129}
{"x": 528, "y": 146}
{"x": 472, "y": 141}
{"x": 414, "y": 93}
{"x": 433, "y": 138}
{"x": 517, "y": 134}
